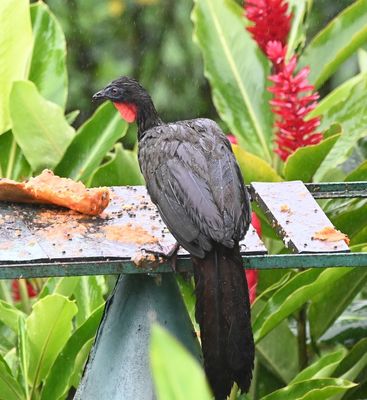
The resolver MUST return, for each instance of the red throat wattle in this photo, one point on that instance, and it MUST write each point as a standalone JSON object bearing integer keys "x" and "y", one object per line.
{"x": 128, "y": 111}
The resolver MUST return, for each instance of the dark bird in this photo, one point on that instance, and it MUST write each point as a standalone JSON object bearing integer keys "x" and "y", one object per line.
{"x": 193, "y": 178}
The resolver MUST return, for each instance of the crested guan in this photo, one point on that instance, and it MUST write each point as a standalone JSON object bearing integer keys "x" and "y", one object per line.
{"x": 193, "y": 178}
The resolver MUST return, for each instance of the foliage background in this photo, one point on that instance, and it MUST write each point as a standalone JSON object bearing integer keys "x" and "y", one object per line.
{"x": 310, "y": 326}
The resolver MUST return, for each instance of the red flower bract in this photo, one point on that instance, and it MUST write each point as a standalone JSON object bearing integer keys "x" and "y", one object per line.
{"x": 270, "y": 19}
{"x": 292, "y": 102}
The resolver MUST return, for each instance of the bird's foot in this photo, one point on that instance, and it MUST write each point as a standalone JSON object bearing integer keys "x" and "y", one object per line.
{"x": 168, "y": 253}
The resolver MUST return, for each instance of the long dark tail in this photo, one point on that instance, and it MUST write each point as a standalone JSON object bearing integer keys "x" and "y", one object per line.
{"x": 223, "y": 313}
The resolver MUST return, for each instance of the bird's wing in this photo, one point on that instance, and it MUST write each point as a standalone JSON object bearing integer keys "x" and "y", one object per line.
{"x": 194, "y": 180}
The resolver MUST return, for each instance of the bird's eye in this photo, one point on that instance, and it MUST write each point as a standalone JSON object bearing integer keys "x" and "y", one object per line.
{"x": 114, "y": 91}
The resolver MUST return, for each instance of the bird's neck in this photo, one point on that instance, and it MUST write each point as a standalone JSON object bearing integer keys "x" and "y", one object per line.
{"x": 147, "y": 117}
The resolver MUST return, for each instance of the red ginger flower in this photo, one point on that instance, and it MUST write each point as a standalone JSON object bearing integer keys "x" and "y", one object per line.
{"x": 290, "y": 105}
{"x": 270, "y": 19}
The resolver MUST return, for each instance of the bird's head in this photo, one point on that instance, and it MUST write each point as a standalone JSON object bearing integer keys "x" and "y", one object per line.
{"x": 127, "y": 95}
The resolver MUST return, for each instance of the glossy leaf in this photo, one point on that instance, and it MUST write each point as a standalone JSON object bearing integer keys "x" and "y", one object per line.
{"x": 290, "y": 297}
{"x": 334, "y": 44}
{"x": 38, "y": 124}
{"x": 322, "y": 368}
{"x": 338, "y": 95}
{"x": 9, "y": 315}
{"x": 93, "y": 140}
{"x": 305, "y": 161}
{"x": 253, "y": 168}
{"x": 328, "y": 305}
{"x": 15, "y": 49}
{"x": 362, "y": 60}
{"x": 353, "y": 219}
{"x": 58, "y": 380}
{"x": 350, "y": 114}
{"x": 48, "y": 65}
{"x": 237, "y": 71}
{"x": 312, "y": 389}
{"x": 48, "y": 327}
{"x": 88, "y": 294}
{"x": 354, "y": 361}
{"x": 122, "y": 169}
{"x": 9, "y": 387}
{"x": 359, "y": 174}
{"x": 173, "y": 367}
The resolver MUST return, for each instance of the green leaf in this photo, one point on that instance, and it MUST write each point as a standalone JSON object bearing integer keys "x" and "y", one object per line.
{"x": 9, "y": 386}
{"x": 290, "y": 297}
{"x": 322, "y": 368}
{"x": 9, "y": 315}
{"x": 353, "y": 219}
{"x": 353, "y": 362}
{"x": 23, "y": 353}
{"x": 15, "y": 50}
{"x": 351, "y": 115}
{"x": 338, "y": 95}
{"x": 278, "y": 351}
{"x": 122, "y": 169}
{"x": 362, "y": 60}
{"x": 88, "y": 294}
{"x": 237, "y": 71}
{"x": 329, "y": 304}
{"x": 297, "y": 35}
{"x": 253, "y": 168}
{"x": 334, "y": 44}
{"x": 305, "y": 161}
{"x": 173, "y": 367}
{"x": 13, "y": 164}
{"x": 58, "y": 380}
{"x": 312, "y": 389}
{"x": 93, "y": 140}
{"x": 38, "y": 124}
{"x": 48, "y": 327}
{"x": 359, "y": 174}
{"x": 48, "y": 66}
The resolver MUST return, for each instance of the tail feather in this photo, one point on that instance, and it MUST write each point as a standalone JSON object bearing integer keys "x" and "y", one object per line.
{"x": 223, "y": 313}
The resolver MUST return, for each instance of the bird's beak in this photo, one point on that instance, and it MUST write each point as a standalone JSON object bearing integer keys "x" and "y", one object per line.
{"x": 101, "y": 95}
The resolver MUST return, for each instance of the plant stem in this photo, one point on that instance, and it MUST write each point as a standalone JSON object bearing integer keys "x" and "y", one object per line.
{"x": 234, "y": 391}
{"x": 11, "y": 160}
{"x": 302, "y": 339}
{"x": 24, "y": 298}
{"x": 255, "y": 377}
{"x": 5, "y": 293}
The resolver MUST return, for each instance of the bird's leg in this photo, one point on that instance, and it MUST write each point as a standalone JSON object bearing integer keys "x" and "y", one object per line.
{"x": 169, "y": 253}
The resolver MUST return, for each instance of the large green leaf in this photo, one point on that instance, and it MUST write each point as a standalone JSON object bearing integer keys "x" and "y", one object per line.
{"x": 305, "y": 161}
{"x": 173, "y": 367}
{"x": 334, "y": 44}
{"x": 15, "y": 50}
{"x": 122, "y": 169}
{"x": 237, "y": 71}
{"x": 253, "y": 168}
{"x": 327, "y": 305}
{"x": 322, "y": 368}
{"x": 9, "y": 315}
{"x": 312, "y": 389}
{"x": 39, "y": 126}
{"x": 353, "y": 219}
{"x": 9, "y": 386}
{"x": 359, "y": 174}
{"x": 48, "y": 66}
{"x": 23, "y": 354}
{"x": 351, "y": 115}
{"x": 290, "y": 297}
{"x": 93, "y": 140}
{"x": 58, "y": 380}
{"x": 48, "y": 327}
{"x": 88, "y": 294}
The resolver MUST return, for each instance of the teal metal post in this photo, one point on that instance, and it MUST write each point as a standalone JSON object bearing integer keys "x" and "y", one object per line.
{"x": 118, "y": 365}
